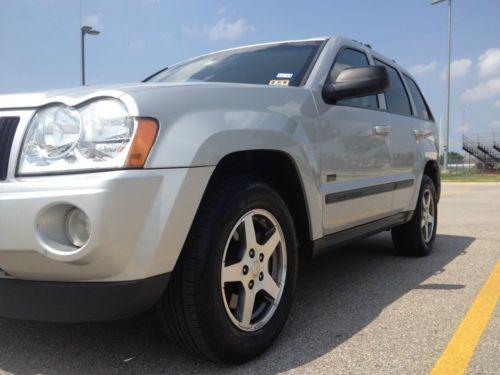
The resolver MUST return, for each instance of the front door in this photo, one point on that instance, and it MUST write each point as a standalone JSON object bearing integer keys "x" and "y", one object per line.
{"x": 356, "y": 160}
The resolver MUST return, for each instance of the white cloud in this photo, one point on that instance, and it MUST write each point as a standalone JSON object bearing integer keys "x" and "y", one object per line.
{"x": 93, "y": 20}
{"x": 497, "y": 104}
{"x": 459, "y": 68}
{"x": 483, "y": 91}
{"x": 495, "y": 124}
{"x": 489, "y": 63}
{"x": 422, "y": 68}
{"x": 189, "y": 31}
{"x": 227, "y": 30}
{"x": 221, "y": 11}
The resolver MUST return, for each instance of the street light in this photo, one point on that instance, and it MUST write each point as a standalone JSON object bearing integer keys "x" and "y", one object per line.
{"x": 90, "y": 31}
{"x": 447, "y": 133}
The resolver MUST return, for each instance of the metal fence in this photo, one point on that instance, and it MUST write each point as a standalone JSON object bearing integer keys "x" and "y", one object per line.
{"x": 465, "y": 165}
{"x": 481, "y": 156}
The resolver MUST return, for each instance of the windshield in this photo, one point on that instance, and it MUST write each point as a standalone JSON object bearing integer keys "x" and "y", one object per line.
{"x": 276, "y": 64}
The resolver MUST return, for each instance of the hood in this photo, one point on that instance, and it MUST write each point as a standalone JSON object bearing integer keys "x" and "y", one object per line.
{"x": 76, "y": 95}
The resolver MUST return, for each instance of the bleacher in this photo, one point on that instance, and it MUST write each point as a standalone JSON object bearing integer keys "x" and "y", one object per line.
{"x": 484, "y": 147}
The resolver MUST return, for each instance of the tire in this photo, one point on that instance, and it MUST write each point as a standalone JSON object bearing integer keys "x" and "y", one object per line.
{"x": 209, "y": 320}
{"x": 416, "y": 237}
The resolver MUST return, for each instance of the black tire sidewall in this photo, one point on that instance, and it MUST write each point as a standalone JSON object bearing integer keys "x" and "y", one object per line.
{"x": 408, "y": 238}
{"x": 222, "y": 336}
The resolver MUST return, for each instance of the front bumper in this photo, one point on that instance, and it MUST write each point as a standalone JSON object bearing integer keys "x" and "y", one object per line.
{"x": 139, "y": 220}
{"x": 78, "y": 302}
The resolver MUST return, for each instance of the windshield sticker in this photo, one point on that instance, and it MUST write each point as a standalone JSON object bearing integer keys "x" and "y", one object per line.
{"x": 284, "y": 75}
{"x": 279, "y": 82}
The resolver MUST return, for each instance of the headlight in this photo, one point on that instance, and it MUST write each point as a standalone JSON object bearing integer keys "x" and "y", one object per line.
{"x": 98, "y": 135}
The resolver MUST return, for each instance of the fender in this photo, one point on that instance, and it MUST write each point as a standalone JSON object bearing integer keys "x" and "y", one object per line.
{"x": 201, "y": 124}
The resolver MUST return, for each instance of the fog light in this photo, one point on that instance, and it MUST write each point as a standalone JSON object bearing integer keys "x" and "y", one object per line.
{"x": 77, "y": 227}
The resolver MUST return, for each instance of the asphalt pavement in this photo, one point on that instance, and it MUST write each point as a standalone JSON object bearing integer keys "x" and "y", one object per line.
{"x": 362, "y": 309}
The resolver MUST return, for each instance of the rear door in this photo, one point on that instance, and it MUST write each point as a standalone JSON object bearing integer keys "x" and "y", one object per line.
{"x": 403, "y": 140}
{"x": 422, "y": 130}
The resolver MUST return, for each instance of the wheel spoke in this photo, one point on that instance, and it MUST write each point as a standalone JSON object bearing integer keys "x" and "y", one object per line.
{"x": 425, "y": 203}
{"x": 248, "y": 304}
{"x": 426, "y": 233}
{"x": 250, "y": 232}
{"x": 422, "y": 223}
{"x": 270, "y": 286}
{"x": 232, "y": 273}
{"x": 270, "y": 246}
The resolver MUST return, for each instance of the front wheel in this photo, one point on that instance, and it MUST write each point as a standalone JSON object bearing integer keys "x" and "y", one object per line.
{"x": 417, "y": 236}
{"x": 231, "y": 291}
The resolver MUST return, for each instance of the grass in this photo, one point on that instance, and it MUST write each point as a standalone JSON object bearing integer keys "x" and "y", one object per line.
{"x": 469, "y": 177}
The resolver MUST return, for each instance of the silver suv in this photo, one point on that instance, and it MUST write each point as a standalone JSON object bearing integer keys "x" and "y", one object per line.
{"x": 196, "y": 191}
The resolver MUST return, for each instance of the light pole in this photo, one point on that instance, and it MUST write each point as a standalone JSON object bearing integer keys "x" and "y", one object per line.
{"x": 90, "y": 31}
{"x": 447, "y": 133}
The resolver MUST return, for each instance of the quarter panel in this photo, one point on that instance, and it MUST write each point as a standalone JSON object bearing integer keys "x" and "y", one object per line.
{"x": 427, "y": 150}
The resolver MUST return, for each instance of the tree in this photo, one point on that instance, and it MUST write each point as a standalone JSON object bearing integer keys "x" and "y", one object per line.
{"x": 453, "y": 158}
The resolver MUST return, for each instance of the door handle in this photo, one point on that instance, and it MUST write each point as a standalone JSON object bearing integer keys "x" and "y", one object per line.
{"x": 421, "y": 133}
{"x": 382, "y": 129}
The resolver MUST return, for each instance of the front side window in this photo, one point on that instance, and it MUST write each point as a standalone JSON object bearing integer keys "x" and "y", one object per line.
{"x": 350, "y": 58}
{"x": 396, "y": 97}
{"x": 418, "y": 99}
{"x": 284, "y": 63}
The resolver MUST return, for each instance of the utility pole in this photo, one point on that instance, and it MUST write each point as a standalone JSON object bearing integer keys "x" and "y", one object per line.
{"x": 448, "y": 84}
{"x": 85, "y": 30}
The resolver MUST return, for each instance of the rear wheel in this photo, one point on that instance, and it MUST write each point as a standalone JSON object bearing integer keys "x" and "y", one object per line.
{"x": 417, "y": 236}
{"x": 231, "y": 291}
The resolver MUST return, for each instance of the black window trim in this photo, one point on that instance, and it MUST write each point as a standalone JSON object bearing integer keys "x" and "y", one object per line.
{"x": 369, "y": 64}
{"x": 431, "y": 116}
{"x": 410, "y": 99}
{"x": 312, "y": 64}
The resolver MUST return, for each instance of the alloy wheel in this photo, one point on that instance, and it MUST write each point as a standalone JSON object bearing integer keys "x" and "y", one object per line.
{"x": 428, "y": 215}
{"x": 253, "y": 271}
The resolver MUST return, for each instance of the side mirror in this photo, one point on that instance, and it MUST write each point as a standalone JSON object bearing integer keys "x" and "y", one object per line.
{"x": 356, "y": 82}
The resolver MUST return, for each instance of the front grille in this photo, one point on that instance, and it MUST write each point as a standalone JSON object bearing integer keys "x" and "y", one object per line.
{"x": 8, "y": 126}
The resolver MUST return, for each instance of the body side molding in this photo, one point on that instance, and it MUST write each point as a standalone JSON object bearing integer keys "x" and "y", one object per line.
{"x": 366, "y": 191}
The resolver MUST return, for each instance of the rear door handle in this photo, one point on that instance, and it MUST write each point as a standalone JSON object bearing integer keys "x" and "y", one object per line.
{"x": 421, "y": 133}
{"x": 382, "y": 129}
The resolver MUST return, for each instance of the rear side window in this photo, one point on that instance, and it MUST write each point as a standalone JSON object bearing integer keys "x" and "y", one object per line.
{"x": 396, "y": 97}
{"x": 349, "y": 58}
{"x": 418, "y": 99}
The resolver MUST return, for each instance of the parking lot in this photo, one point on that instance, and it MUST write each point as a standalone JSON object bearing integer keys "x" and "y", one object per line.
{"x": 360, "y": 310}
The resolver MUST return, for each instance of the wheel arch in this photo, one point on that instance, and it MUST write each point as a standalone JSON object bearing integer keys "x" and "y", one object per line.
{"x": 431, "y": 169}
{"x": 280, "y": 171}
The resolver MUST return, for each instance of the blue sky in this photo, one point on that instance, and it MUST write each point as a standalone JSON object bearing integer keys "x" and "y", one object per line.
{"x": 39, "y": 41}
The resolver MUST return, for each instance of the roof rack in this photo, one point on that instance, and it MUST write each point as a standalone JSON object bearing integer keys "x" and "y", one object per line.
{"x": 363, "y": 44}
